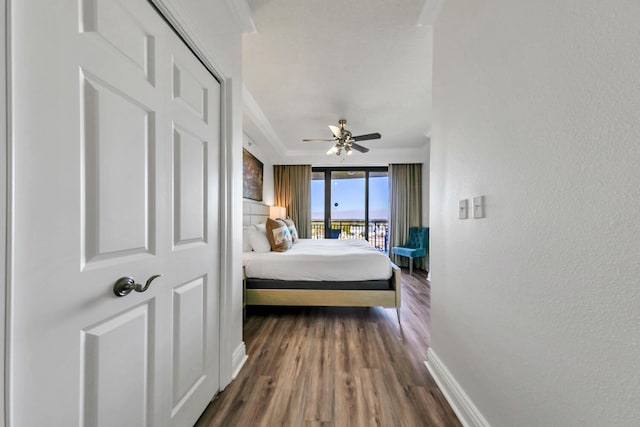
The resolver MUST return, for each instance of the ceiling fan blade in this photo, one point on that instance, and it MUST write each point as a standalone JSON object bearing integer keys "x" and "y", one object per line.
{"x": 335, "y": 130}
{"x": 367, "y": 136}
{"x": 358, "y": 147}
{"x": 318, "y": 140}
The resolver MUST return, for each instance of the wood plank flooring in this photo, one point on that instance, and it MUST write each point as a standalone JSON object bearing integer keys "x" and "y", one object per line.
{"x": 336, "y": 366}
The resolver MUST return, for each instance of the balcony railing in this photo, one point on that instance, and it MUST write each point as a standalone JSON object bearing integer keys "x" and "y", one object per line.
{"x": 377, "y": 233}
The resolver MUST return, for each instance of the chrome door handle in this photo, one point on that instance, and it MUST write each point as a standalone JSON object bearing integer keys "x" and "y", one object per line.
{"x": 125, "y": 285}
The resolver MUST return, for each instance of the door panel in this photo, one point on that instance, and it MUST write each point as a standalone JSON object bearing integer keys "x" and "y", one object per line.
{"x": 118, "y": 28}
{"x": 189, "y": 340}
{"x": 348, "y": 194}
{"x": 188, "y": 90}
{"x": 193, "y": 115}
{"x": 118, "y": 137}
{"x": 115, "y": 173}
{"x": 116, "y": 388}
{"x": 190, "y": 187}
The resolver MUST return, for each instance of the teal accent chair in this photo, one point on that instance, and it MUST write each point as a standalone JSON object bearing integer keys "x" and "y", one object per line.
{"x": 416, "y": 247}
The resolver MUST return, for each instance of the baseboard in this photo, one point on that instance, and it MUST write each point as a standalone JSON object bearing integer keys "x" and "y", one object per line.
{"x": 238, "y": 360}
{"x": 461, "y": 404}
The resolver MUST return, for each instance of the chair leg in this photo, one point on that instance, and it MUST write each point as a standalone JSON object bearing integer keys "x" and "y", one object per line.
{"x": 410, "y": 266}
{"x": 398, "y": 313}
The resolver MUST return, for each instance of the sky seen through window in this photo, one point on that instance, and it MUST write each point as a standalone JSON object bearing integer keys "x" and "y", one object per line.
{"x": 350, "y": 198}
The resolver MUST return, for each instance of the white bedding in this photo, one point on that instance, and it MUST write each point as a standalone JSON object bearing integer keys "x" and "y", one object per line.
{"x": 314, "y": 260}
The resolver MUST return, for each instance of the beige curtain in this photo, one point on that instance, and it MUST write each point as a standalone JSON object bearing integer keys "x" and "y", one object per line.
{"x": 292, "y": 188}
{"x": 405, "y": 194}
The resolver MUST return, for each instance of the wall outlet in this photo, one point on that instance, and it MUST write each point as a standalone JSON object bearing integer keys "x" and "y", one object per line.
{"x": 478, "y": 207}
{"x": 463, "y": 209}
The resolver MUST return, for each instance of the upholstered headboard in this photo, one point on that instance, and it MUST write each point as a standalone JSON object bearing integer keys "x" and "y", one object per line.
{"x": 254, "y": 212}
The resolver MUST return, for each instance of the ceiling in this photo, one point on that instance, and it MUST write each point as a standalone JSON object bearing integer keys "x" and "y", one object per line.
{"x": 313, "y": 62}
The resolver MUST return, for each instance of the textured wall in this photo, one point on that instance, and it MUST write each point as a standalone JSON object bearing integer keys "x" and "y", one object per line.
{"x": 536, "y": 308}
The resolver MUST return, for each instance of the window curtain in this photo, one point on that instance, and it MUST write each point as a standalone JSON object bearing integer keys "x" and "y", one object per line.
{"x": 405, "y": 194}
{"x": 292, "y": 188}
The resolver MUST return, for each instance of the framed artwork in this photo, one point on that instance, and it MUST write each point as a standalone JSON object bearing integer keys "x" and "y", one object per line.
{"x": 251, "y": 176}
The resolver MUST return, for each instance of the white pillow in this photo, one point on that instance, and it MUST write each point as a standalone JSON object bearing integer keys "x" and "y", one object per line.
{"x": 261, "y": 227}
{"x": 259, "y": 241}
{"x": 246, "y": 244}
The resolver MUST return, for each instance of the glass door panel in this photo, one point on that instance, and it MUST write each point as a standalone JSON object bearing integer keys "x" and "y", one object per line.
{"x": 317, "y": 205}
{"x": 378, "y": 230}
{"x": 348, "y": 205}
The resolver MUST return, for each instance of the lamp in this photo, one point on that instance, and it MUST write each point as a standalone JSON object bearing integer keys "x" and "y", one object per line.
{"x": 333, "y": 150}
{"x": 277, "y": 212}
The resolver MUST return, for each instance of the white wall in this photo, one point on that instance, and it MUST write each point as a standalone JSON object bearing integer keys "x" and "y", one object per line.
{"x": 536, "y": 308}
{"x": 218, "y": 34}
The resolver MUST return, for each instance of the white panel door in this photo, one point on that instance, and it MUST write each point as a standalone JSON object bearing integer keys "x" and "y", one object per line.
{"x": 115, "y": 144}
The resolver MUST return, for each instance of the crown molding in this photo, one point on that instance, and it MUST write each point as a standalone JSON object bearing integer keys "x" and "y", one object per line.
{"x": 242, "y": 12}
{"x": 251, "y": 108}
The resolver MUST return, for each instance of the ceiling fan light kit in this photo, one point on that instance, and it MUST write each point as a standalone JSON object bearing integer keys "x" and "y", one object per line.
{"x": 344, "y": 140}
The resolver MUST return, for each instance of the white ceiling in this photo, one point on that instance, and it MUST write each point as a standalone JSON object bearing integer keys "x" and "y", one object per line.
{"x": 313, "y": 62}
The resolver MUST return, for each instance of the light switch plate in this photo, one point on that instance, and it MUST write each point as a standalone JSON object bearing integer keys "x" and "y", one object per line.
{"x": 478, "y": 207}
{"x": 463, "y": 209}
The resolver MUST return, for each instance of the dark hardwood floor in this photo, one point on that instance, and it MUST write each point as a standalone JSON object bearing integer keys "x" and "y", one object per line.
{"x": 336, "y": 367}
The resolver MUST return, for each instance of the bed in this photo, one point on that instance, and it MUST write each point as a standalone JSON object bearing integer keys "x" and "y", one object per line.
{"x": 319, "y": 272}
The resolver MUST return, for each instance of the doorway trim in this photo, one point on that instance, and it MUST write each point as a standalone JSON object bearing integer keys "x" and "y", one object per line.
{"x": 4, "y": 193}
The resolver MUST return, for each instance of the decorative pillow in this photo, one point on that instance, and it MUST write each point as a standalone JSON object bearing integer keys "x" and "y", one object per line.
{"x": 292, "y": 229}
{"x": 246, "y": 243}
{"x": 258, "y": 240}
{"x": 278, "y": 235}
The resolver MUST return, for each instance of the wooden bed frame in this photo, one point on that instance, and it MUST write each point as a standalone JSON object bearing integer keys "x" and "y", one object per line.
{"x": 330, "y": 298}
{"x": 255, "y": 213}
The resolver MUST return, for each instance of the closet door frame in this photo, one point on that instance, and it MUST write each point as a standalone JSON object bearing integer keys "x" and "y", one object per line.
{"x": 5, "y": 169}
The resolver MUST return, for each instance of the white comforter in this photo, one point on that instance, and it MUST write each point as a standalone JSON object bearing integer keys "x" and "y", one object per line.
{"x": 330, "y": 260}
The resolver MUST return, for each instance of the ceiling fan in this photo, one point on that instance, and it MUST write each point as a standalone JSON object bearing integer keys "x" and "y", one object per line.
{"x": 344, "y": 140}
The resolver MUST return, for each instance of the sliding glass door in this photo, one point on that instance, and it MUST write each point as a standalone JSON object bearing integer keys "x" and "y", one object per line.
{"x": 348, "y": 204}
{"x": 378, "y": 209}
{"x": 317, "y": 205}
{"x": 351, "y": 203}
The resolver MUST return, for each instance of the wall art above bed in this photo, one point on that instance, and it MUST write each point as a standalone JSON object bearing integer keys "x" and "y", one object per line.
{"x": 251, "y": 176}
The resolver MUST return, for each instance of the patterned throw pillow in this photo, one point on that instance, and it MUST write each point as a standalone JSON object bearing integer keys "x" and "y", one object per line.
{"x": 292, "y": 229}
{"x": 278, "y": 235}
